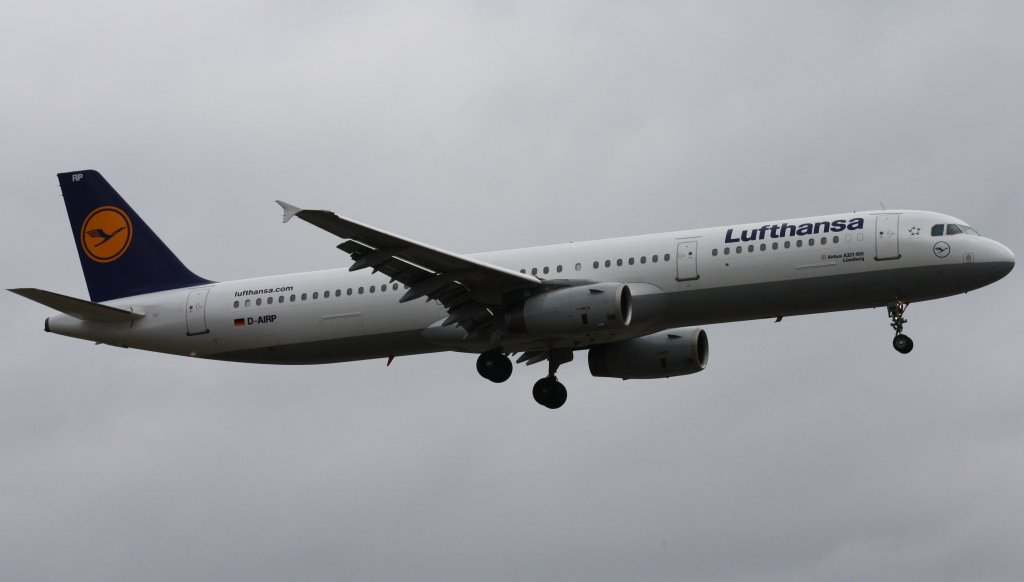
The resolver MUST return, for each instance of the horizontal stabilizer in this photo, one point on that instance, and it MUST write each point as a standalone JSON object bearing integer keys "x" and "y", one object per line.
{"x": 78, "y": 308}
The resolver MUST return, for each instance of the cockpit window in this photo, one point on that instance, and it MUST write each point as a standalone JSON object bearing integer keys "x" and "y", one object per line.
{"x": 954, "y": 229}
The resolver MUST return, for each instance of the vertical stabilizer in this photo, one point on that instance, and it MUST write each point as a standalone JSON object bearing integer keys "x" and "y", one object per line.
{"x": 120, "y": 255}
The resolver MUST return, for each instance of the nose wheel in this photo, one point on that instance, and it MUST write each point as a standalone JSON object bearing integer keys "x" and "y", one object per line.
{"x": 901, "y": 342}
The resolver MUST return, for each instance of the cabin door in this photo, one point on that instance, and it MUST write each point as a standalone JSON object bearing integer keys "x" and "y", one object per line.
{"x": 887, "y": 237}
{"x": 195, "y": 311}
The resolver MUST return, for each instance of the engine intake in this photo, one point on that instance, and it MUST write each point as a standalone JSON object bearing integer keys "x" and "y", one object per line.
{"x": 674, "y": 352}
{"x": 574, "y": 311}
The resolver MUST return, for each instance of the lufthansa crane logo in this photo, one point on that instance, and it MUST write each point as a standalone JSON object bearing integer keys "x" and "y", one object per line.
{"x": 106, "y": 234}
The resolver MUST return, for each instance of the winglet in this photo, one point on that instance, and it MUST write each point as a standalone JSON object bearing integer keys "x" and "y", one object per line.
{"x": 289, "y": 210}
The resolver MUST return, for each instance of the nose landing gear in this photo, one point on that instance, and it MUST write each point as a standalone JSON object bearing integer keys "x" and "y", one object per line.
{"x": 902, "y": 343}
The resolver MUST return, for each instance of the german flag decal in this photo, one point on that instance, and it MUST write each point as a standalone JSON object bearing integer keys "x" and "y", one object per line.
{"x": 239, "y": 322}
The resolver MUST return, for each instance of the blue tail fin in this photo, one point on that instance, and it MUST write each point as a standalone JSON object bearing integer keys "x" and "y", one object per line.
{"x": 120, "y": 255}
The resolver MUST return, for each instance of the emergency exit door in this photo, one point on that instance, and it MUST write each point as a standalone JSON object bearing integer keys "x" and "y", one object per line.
{"x": 686, "y": 260}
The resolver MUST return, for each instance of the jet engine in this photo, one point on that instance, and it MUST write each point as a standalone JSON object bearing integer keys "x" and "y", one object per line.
{"x": 674, "y": 352}
{"x": 574, "y": 311}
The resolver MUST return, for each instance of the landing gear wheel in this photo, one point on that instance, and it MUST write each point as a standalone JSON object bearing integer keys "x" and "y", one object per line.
{"x": 902, "y": 343}
{"x": 550, "y": 392}
{"x": 495, "y": 366}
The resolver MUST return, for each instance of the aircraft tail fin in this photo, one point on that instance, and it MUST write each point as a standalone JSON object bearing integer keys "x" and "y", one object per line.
{"x": 120, "y": 255}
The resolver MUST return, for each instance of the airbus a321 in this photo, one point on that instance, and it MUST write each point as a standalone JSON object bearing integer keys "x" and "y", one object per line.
{"x": 634, "y": 304}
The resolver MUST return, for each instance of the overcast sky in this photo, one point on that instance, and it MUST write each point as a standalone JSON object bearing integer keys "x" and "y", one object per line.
{"x": 808, "y": 450}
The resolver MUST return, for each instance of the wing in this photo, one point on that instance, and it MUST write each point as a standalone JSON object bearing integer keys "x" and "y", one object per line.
{"x": 472, "y": 291}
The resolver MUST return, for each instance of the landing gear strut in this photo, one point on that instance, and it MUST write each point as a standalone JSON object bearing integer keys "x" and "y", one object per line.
{"x": 902, "y": 343}
{"x": 495, "y": 366}
{"x": 549, "y": 391}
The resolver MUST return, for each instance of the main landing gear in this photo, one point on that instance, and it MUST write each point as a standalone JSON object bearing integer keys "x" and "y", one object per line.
{"x": 902, "y": 343}
{"x": 495, "y": 366}
{"x": 548, "y": 391}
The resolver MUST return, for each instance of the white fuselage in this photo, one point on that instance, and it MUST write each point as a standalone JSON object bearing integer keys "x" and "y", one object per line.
{"x": 677, "y": 279}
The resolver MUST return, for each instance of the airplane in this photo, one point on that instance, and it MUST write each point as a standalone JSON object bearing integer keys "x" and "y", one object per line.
{"x": 635, "y": 304}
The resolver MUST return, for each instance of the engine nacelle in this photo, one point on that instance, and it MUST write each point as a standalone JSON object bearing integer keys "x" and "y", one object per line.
{"x": 574, "y": 311}
{"x": 674, "y": 352}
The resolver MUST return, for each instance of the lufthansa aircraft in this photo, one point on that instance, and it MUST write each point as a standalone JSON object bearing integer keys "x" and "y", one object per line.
{"x": 633, "y": 303}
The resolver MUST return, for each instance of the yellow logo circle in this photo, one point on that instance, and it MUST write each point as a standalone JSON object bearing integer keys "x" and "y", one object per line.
{"x": 106, "y": 234}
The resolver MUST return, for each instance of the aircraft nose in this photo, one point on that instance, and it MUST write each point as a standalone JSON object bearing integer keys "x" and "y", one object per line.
{"x": 1002, "y": 259}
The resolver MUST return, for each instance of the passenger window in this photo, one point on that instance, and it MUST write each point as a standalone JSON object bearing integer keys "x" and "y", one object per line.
{"x": 523, "y": 271}
{"x": 938, "y": 229}
{"x": 315, "y": 295}
{"x": 631, "y": 260}
{"x": 799, "y": 243}
{"x": 236, "y": 305}
{"x": 373, "y": 288}
{"x": 607, "y": 263}
{"x": 786, "y": 244}
{"x": 349, "y": 291}
{"x": 775, "y": 246}
{"x": 953, "y": 229}
{"x": 247, "y": 303}
{"x": 558, "y": 269}
{"x": 597, "y": 265}
{"x": 618, "y": 262}
{"x": 726, "y": 250}
{"x": 327, "y": 293}
{"x": 654, "y": 259}
{"x": 643, "y": 260}
{"x": 259, "y": 301}
{"x": 824, "y": 240}
{"x": 750, "y": 248}
{"x": 292, "y": 298}
{"x": 395, "y": 287}
{"x": 739, "y": 250}
{"x": 579, "y": 267}
{"x": 835, "y": 240}
{"x": 810, "y": 242}
{"x": 270, "y": 300}
{"x": 337, "y": 292}
{"x": 533, "y": 271}
{"x": 361, "y": 290}
{"x": 714, "y": 252}
{"x": 667, "y": 256}
{"x": 764, "y": 247}
{"x": 303, "y": 296}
